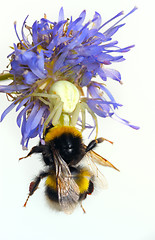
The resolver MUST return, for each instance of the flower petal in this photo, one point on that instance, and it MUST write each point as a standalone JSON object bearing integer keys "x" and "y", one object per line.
{"x": 121, "y": 120}
{"x": 37, "y": 117}
{"x": 61, "y": 14}
{"x": 12, "y": 88}
{"x": 102, "y": 74}
{"x": 111, "y": 73}
{"x": 37, "y": 65}
{"x": 22, "y": 103}
{"x": 23, "y": 113}
{"x": 29, "y": 77}
{"x": 7, "y": 110}
{"x": 97, "y": 22}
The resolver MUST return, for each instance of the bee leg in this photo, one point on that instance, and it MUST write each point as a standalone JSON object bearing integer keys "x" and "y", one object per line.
{"x": 84, "y": 211}
{"x": 35, "y": 149}
{"x": 94, "y": 143}
{"x": 34, "y": 185}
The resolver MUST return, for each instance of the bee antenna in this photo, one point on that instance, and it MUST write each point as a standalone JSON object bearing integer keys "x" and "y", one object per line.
{"x": 26, "y": 201}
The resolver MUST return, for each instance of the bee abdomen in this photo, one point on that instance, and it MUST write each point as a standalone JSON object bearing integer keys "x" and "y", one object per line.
{"x": 51, "y": 194}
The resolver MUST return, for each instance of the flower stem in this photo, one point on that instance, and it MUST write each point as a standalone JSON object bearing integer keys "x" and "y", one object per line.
{"x": 5, "y": 76}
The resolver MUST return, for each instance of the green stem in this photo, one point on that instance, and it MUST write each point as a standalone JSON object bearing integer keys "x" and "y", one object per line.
{"x": 5, "y": 76}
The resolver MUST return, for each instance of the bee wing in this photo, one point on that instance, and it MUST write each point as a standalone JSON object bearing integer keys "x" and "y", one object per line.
{"x": 99, "y": 178}
{"x": 68, "y": 190}
{"x": 100, "y": 160}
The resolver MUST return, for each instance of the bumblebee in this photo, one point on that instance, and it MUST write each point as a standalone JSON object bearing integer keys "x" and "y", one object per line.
{"x": 67, "y": 181}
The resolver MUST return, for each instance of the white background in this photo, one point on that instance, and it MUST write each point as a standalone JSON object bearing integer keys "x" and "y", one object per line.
{"x": 126, "y": 210}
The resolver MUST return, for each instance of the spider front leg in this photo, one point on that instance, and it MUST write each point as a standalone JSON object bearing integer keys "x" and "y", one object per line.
{"x": 75, "y": 114}
{"x": 80, "y": 107}
{"x": 34, "y": 185}
{"x": 55, "y": 113}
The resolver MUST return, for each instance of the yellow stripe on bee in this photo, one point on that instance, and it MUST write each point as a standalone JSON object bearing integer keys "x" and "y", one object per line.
{"x": 82, "y": 180}
{"x": 51, "y": 182}
{"x": 59, "y": 130}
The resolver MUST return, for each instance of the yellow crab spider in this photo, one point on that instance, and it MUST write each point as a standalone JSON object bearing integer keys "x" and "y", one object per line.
{"x": 65, "y": 105}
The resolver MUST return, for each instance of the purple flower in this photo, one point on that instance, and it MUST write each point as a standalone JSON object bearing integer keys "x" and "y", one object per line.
{"x": 68, "y": 50}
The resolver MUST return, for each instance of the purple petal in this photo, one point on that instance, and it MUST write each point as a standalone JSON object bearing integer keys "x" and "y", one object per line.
{"x": 23, "y": 35}
{"x": 12, "y": 88}
{"x": 34, "y": 132}
{"x": 23, "y": 130}
{"x": 86, "y": 78}
{"x": 97, "y": 22}
{"x": 36, "y": 65}
{"x": 111, "y": 31}
{"x": 101, "y": 57}
{"x": 134, "y": 9}
{"x": 38, "y": 117}
{"x": 111, "y": 73}
{"x": 15, "y": 27}
{"x": 111, "y": 44}
{"x": 29, "y": 77}
{"x": 79, "y": 24}
{"x": 23, "y": 113}
{"x": 25, "y": 57}
{"x": 105, "y": 90}
{"x": 61, "y": 14}
{"x": 75, "y": 25}
{"x": 121, "y": 120}
{"x": 59, "y": 63}
{"x": 119, "y": 14}
{"x": 57, "y": 27}
{"x": 31, "y": 117}
{"x": 126, "y": 49}
{"x": 93, "y": 104}
{"x": 34, "y": 32}
{"x": 21, "y": 104}
{"x": 102, "y": 74}
{"x": 7, "y": 110}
